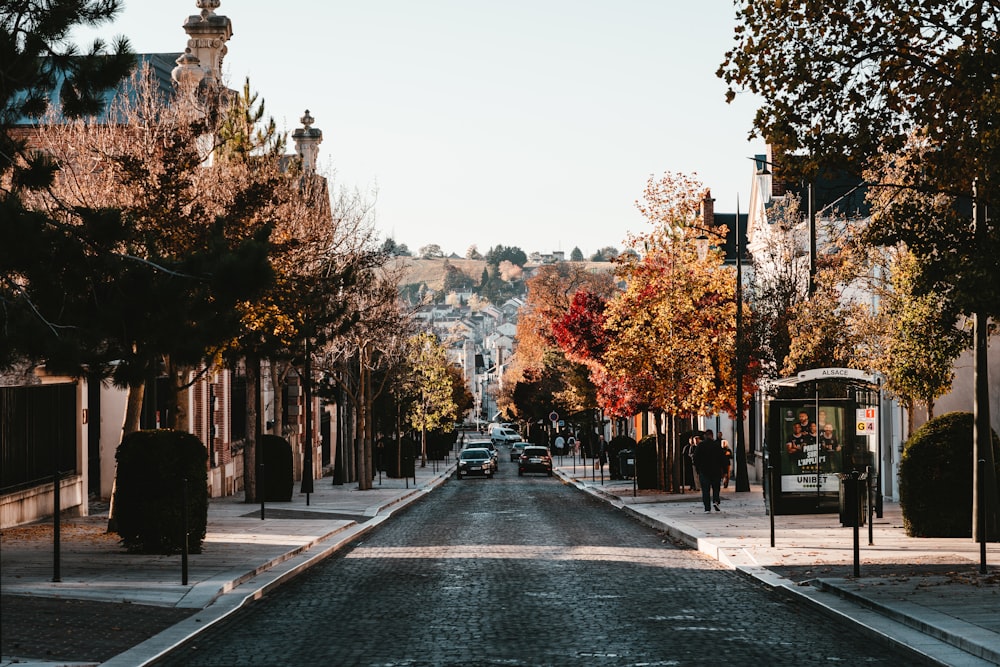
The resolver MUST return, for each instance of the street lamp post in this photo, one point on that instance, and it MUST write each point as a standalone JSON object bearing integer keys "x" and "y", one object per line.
{"x": 742, "y": 478}
{"x": 307, "y": 458}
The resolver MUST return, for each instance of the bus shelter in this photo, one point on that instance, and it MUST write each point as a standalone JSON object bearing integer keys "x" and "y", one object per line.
{"x": 819, "y": 428}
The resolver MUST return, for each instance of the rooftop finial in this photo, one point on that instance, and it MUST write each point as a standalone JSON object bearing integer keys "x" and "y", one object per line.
{"x": 208, "y": 7}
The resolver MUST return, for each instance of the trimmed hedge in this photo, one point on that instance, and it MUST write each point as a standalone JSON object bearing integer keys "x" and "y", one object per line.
{"x": 154, "y": 469}
{"x": 646, "y": 476}
{"x": 398, "y": 464}
{"x": 935, "y": 477}
{"x": 279, "y": 474}
{"x": 440, "y": 443}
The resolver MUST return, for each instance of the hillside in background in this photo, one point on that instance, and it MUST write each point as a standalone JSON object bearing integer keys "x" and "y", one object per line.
{"x": 431, "y": 271}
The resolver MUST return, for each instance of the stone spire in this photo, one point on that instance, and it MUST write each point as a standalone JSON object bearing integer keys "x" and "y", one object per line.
{"x": 201, "y": 63}
{"x": 307, "y": 140}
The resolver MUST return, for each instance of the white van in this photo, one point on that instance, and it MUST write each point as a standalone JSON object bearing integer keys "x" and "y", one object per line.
{"x": 504, "y": 436}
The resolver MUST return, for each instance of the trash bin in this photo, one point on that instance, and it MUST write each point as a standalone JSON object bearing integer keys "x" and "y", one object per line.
{"x": 853, "y": 498}
{"x": 626, "y": 463}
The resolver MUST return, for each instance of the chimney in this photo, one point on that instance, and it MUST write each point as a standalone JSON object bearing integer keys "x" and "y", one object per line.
{"x": 708, "y": 210}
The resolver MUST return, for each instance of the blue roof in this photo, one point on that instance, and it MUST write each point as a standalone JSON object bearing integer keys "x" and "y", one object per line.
{"x": 160, "y": 64}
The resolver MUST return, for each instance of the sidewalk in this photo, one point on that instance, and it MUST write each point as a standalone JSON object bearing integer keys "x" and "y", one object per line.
{"x": 118, "y": 609}
{"x": 123, "y": 610}
{"x": 923, "y": 595}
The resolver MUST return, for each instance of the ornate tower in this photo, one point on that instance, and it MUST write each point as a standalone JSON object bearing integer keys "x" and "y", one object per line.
{"x": 307, "y": 140}
{"x": 201, "y": 63}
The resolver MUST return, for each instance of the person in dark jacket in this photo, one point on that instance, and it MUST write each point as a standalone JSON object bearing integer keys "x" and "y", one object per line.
{"x": 708, "y": 462}
{"x": 727, "y": 463}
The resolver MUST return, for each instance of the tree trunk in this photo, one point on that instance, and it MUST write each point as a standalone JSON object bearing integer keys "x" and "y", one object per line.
{"x": 369, "y": 434}
{"x": 909, "y": 420}
{"x": 253, "y": 430}
{"x": 277, "y": 380}
{"x": 177, "y": 399}
{"x": 661, "y": 453}
{"x": 364, "y": 459}
{"x": 985, "y": 500}
{"x": 676, "y": 459}
{"x": 133, "y": 408}
{"x": 423, "y": 445}
{"x": 130, "y": 424}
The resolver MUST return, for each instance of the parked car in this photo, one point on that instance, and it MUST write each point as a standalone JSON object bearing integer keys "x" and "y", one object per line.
{"x": 475, "y": 461}
{"x": 504, "y": 436}
{"x": 494, "y": 453}
{"x": 516, "y": 448}
{"x": 535, "y": 459}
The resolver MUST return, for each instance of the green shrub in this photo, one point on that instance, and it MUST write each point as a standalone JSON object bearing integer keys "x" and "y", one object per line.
{"x": 439, "y": 443}
{"x": 935, "y": 477}
{"x": 618, "y": 444}
{"x": 399, "y": 464}
{"x": 646, "y": 476}
{"x": 278, "y": 471}
{"x": 154, "y": 469}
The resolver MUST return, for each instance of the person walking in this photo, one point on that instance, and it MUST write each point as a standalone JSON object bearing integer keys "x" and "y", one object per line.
{"x": 687, "y": 457}
{"x": 727, "y": 463}
{"x": 708, "y": 462}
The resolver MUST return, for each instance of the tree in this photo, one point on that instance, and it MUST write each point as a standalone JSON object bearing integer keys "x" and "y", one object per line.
{"x": 672, "y": 331}
{"x": 605, "y": 254}
{"x": 473, "y": 252}
{"x": 779, "y": 282}
{"x": 576, "y": 255}
{"x": 923, "y": 340}
{"x": 917, "y": 81}
{"x": 461, "y": 397}
{"x": 393, "y": 249}
{"x": 431, "y": 251}
{"x": 583, "y": 337}
{"x": 36, "y": 56}
{"x": 431, "y": 387}
{"x": 455, "y": 278}
{"x": 368, "y": 358}
{"x": 513, "y": 254}
{"x": 548, "y": 379}
{"x": 188, "y": 241}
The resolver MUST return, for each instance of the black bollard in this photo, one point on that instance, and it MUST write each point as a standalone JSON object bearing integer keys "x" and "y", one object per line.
{"x": 184, "y": 532}
{"x": 981, "y": 508}
{"x": 854, "y": 508}
{"x": 56, "y": 541}
{"x": 871, "y": 506}
{"x": 770, "y": 499}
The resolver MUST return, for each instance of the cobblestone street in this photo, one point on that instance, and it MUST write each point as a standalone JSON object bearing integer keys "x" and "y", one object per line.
{"x": 521, "y": 571}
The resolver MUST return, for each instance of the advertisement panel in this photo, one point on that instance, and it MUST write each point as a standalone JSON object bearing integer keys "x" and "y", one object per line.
{"x": 812, "y": 446}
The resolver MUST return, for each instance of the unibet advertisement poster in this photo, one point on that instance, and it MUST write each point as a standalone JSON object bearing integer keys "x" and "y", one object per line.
{"x": 812, "y": 447}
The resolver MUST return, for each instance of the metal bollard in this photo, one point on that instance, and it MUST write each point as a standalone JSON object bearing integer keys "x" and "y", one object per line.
{"x": 982, "y": 516}
{"x": 185, "y": 532}
{"x": 770, "y": 499}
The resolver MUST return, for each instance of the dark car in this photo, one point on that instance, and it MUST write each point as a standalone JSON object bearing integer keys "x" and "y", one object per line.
{"x": 494, "y": 452}
{"x": 515, "y": 450}
{"x": 474, "y": 461}
{"x": 535, "y": 459}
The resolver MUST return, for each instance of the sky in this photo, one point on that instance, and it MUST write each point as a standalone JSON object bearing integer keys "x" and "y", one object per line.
{"x": 528, "y": 123}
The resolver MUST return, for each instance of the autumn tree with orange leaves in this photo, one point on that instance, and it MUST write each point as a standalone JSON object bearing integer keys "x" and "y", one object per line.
{"x": 672, "y": 331}
{"x": 541, "y": 378}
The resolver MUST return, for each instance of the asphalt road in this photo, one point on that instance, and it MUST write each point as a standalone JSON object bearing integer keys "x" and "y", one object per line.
{"x": 522, "y": 571}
